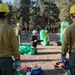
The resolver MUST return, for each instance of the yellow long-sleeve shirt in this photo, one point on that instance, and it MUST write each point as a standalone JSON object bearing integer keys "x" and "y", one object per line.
{"x": 47, "y": 36}
{"x": 8, "y": 42}
{"x": 69, "y": 39}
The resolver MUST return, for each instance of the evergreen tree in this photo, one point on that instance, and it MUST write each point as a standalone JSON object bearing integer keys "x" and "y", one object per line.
{"x": 10, "y": 15}
{"x": 24, "y": 12}
{"x": 0, "y": 1}
{"x": 64, "y": 7}
{"x": 50, "y": 11}
{"x": 16, "y": 14}
{"x": 43, "y": 13}
{"x": 54, "y": 14}
{"x": 34, "y": 14}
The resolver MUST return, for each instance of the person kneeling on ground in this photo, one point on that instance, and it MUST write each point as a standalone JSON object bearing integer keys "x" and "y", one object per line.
{"x": 68, "y": 45}
{"x": 34, "y": 41}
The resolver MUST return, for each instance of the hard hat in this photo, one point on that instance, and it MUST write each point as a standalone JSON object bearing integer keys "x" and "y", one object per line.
{"x": 34, "y": 32}
{"x": 72, "y": 10}
{"x": 46, "y": 31}
{"x": 18, "y": 24}
{"x": 4, "y": 8}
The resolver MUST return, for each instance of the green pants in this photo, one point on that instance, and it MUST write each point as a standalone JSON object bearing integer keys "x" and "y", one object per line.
{"x": 72, "y": 63}
{"x": 35, "y": 48}
{"x": 6, "y": 66}
{"x": 72, "y": 70}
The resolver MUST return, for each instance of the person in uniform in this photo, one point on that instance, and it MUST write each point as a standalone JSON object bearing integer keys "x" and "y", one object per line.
{"x": 34, "y": 41}
{"x": 68, "y": 44}
{"x": 18, "y": 33}
{"x": 8, "y": 44}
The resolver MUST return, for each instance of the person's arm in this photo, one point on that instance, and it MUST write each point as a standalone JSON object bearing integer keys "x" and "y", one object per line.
{"x": 14, "y": 45}
{"x": 66, "y": 42}
{"x": 31, "y": 39}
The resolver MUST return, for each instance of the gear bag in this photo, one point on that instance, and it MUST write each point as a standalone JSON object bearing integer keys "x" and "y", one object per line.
{"x": 35, "y": 71}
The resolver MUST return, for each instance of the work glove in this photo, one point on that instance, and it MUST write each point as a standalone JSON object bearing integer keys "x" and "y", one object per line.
{"x": 17, "y": 64}
{"x": 63, "y": 59}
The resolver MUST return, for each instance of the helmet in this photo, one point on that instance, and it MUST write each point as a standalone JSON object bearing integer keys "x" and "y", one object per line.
{"x": 34, "y": 32}
{"x": 72, "y": 10}
{"x": 46, "y": 31}
{"x": 18, "y": 24}
{"x": 4, "y": 8}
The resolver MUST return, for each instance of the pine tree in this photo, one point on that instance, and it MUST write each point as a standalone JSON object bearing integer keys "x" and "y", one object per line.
{"x": 64, "y": 7}
{"x": 43, "y": 13}
{"x": 10, "y": 15}
{"x": 24, "y": 11}
{"x": 0, "y": 1}
{"x": 35, "y": 14}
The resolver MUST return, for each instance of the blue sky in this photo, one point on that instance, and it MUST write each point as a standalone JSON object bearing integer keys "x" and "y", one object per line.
{"x": 4, "y": 1}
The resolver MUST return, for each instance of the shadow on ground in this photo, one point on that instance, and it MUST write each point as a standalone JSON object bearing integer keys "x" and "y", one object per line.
{"x": 46, "y": 53}
{"x": 55, "y": 72}
{"x": 39, "y": 60}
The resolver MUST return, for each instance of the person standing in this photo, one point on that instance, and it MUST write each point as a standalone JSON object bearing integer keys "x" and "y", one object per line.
{"x": 47, "y": 38}
{"x": 8, "y": 44}
{"x": 18, "y": 33}
{"x": 42, "y": 35}
{"x": 68, "y": 44}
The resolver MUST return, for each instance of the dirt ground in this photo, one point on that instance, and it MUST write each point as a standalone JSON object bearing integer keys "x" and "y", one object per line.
{"x": 47, "y": 55}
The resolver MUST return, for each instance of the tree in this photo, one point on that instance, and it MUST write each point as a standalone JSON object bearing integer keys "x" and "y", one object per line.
{"x": 50, "y": 12}
{"x": 34, "y": 14}
{"x": 64, "y": 7}
{"x": 0, "y": 1}
{"x": 10, "y": 15}
{"x": 15, "y": 9}
{"x": 43, "y": 13}
{"x": 54, "y": 14}
{"x": 24, "y": 12}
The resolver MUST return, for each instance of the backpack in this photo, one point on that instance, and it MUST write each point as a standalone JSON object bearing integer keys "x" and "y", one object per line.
{"x": 35, "y": 71}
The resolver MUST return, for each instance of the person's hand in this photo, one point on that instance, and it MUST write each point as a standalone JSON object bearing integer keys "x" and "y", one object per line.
{"x": 17, "y": 64}
{"x": 35, "y": 40}
{"x": 63, "y": 59}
